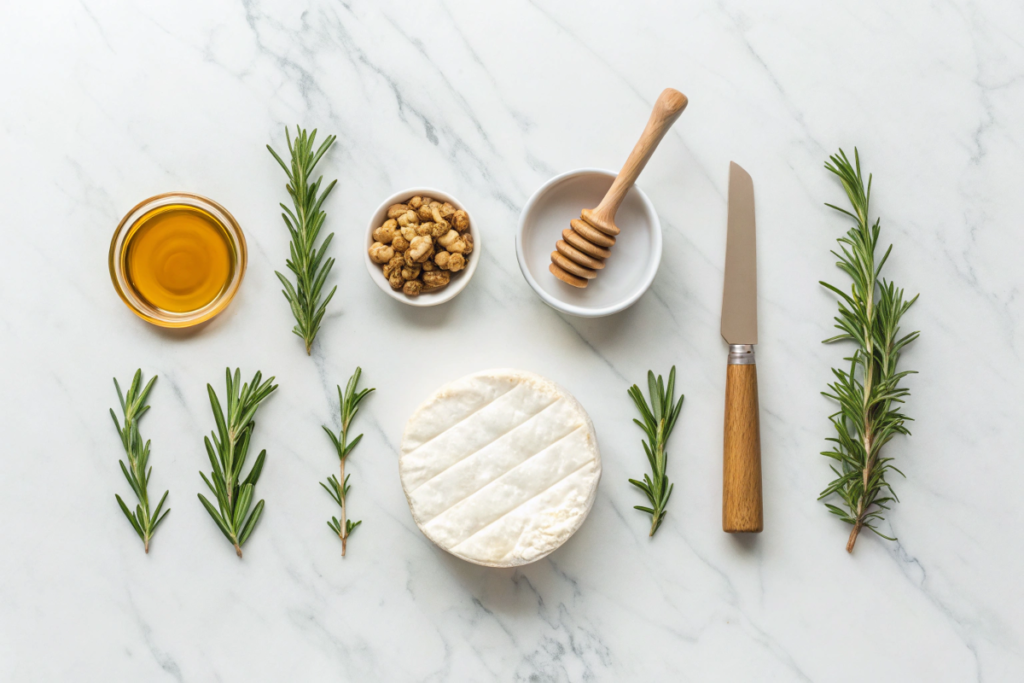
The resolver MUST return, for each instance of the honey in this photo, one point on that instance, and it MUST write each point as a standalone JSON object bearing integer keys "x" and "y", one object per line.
{"x": 178, "y": 258}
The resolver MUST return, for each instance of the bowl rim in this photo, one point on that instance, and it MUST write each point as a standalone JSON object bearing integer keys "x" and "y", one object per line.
{"x": 189, "y": 318}
{"x": 580, "y": 311}
{"x": 429, "y": 298}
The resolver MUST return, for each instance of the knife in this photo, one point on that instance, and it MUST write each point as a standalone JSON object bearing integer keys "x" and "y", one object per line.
{"x": 741, "y": 471}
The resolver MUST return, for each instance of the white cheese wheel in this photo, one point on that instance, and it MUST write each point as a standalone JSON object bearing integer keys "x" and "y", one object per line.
{"x": 500, "y": 468}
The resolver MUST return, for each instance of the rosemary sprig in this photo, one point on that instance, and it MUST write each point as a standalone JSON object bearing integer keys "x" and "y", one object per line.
{"x": 337, "y": 486}
{"x": 227, "y": 452}
{"x": 304, "y": 223}
{"x": 659, "y": 419}
{"x": 869, "y": 393}
{"x": 133, "y": 405}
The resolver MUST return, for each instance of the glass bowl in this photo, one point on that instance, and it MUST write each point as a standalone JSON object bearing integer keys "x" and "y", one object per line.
{"x": 207, "y": 211}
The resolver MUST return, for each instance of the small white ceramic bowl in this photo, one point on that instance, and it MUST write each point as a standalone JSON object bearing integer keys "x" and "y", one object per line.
{"x": 628, "y": 272}
{"x": 458, "y": 280}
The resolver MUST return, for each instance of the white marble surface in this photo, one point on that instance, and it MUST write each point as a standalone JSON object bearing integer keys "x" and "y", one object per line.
{"x": 108, "y": 102}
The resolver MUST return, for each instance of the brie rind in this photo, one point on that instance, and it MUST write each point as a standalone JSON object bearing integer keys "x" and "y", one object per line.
{"x": 500, "y": 468}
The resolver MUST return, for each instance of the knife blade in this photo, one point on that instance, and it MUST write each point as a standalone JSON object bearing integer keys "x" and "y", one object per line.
{"x": 739, "y": 296}
{"x": 742, "y": 506}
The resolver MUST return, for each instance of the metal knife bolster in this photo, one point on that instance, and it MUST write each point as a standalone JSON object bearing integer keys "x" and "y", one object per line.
{"x": 741, "y": 354}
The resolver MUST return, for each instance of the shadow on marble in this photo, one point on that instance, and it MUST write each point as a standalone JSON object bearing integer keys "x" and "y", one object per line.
{"x": 609, "y": 330}
{"x": 502, "y": 590}
{"x": 745, "y": 543}
{"x": 427, "y": 318}
{"x": 179, "y": 333}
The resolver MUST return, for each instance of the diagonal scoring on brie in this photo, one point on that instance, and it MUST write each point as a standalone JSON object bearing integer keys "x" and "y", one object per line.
{"x": 500, "y": 468}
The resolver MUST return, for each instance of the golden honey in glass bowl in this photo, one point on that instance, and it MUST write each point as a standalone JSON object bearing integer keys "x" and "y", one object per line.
{"x": 177, "y": 259}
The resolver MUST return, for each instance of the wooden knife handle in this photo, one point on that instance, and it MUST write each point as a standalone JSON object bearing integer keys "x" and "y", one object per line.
{"x": 742, "y": 509}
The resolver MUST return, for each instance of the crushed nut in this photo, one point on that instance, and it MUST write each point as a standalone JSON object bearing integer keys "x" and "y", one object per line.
{"x": 436, "y": 278}
{"x": 419, "y": 247}
{"x": 409, "y": 218}
{"x": 448, "y": 238}
{"x": 409, "y": 232}
{"x": 385, "y": 233}
{"x": 411, "y": 272}
{"x": 381, "y": 253}
{"x": 396, "y": 263}
{"x": 421, "y": 244}
{"x": 456, "y": 263}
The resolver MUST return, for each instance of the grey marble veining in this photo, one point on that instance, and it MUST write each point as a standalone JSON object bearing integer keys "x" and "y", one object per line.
{"x": 106, "y": 103}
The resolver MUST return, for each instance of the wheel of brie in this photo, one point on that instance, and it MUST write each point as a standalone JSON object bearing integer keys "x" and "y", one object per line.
{"x": 500, "y": 468}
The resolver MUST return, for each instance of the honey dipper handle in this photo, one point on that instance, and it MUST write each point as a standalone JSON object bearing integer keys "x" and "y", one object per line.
{"x": 667, "y": 109}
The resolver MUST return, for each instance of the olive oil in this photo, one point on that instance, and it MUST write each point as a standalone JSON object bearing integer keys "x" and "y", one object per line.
{"x": 178, "y": 258}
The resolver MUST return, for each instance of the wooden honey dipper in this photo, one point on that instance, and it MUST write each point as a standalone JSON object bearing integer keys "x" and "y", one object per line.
{"x": 582, "y": 250}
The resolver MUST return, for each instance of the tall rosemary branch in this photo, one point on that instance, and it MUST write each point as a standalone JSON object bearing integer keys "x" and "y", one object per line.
{"x": 304, "y": 222}
{"x": 869, "y": 393}
{"x": 659, "y": 418}
{"x": 228, "y": 450}
{"x": 337, "y": 486}
{"x": 133, "y": 406}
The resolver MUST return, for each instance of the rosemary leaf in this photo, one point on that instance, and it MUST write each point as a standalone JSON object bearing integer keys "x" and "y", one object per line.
{"x": 133, "y": 407}
{"x": 337, "y": 487}
{"x": 307, "y": 261}
{"x": 227, "y": 448}
{"x": 659, "y": 418}
{"x": 869, "y": 392}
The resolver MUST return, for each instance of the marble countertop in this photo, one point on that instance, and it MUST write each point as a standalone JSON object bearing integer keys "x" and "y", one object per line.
{"x": 107, "y": 103}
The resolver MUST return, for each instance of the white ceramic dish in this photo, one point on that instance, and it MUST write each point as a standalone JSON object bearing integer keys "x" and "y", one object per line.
{"x": 458, "y": 281}
{"x": 635, "y": 257}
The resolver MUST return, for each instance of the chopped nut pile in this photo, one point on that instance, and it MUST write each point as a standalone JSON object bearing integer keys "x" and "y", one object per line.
{"x": 421, "y": 244}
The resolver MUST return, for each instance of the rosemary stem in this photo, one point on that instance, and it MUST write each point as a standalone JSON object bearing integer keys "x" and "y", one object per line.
{"x": 230, "y": 468}
{"x": 868, "y": 315}
{"x": 336, "y": 486}
{"x": 227, "y": 447}
{"x": 853, "y": 537}
{"x": 346, "y": 419}
{"x": 304, "y": 221}
{"x": 868, "y": 275}
{"x": 341, "y": 496}
{"x": 133, "y": 405}
{"x": 657, "y": 420}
